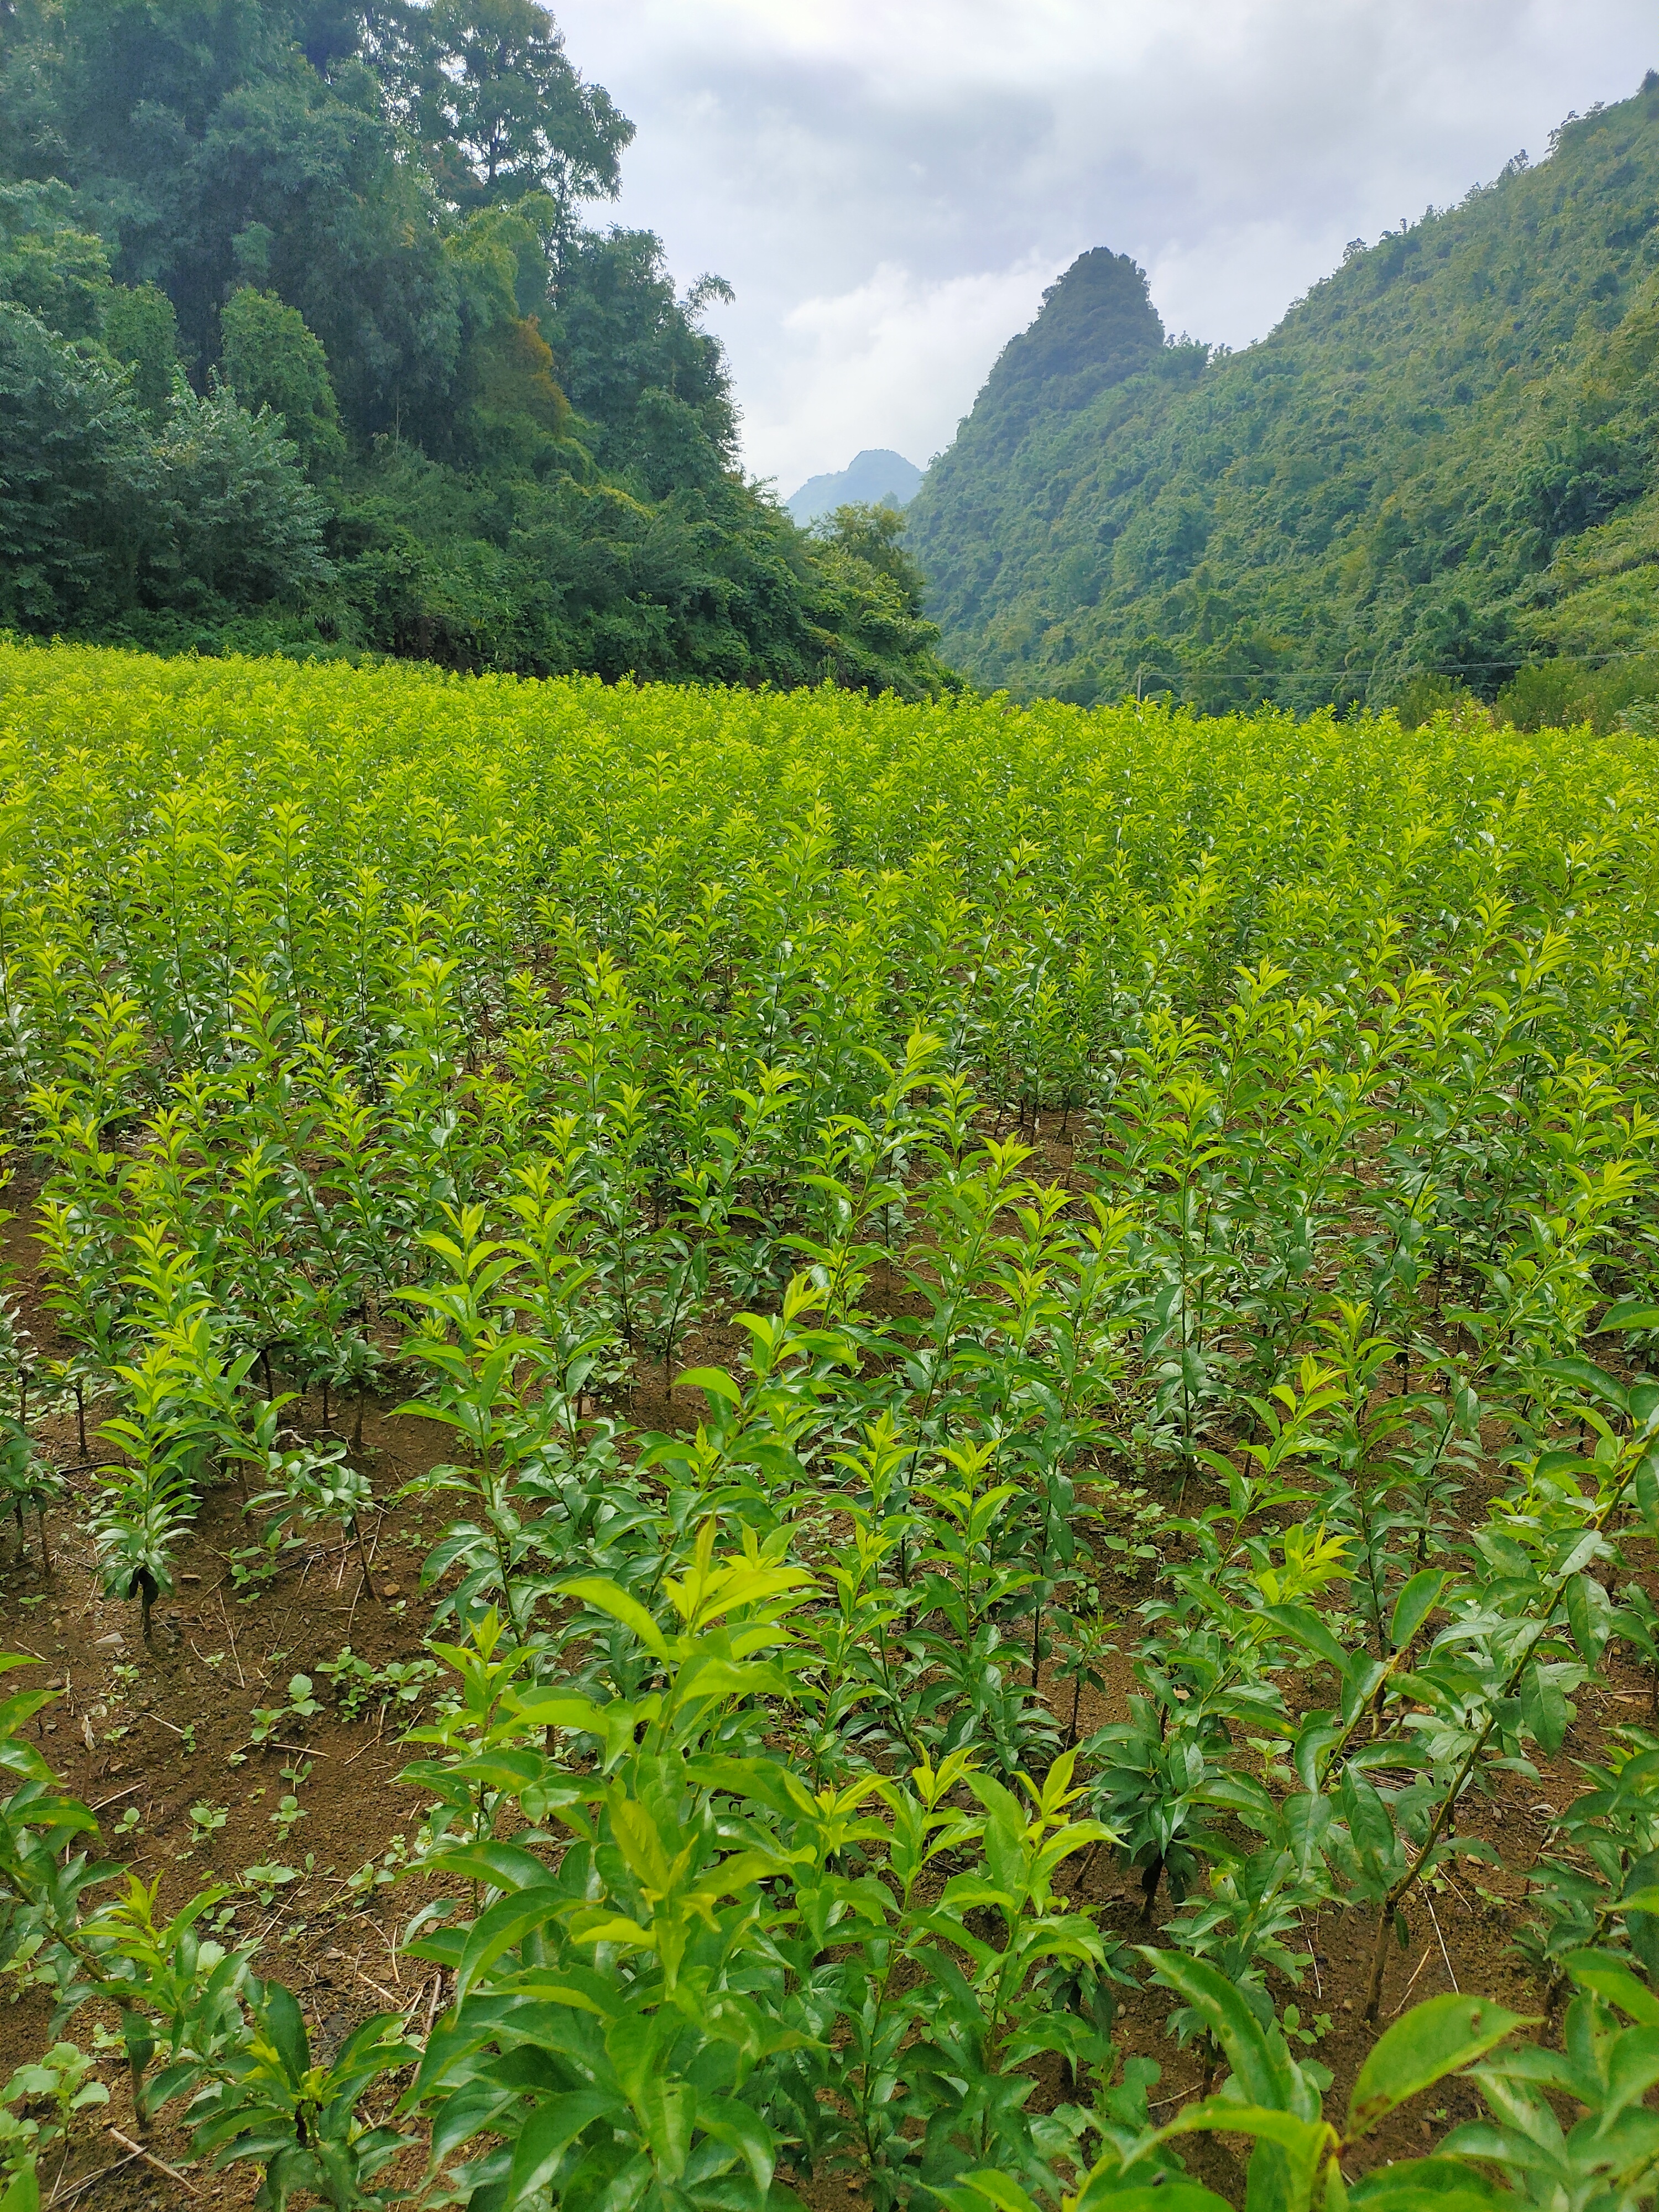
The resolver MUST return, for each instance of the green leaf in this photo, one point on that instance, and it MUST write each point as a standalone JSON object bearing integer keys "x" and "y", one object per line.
{"x": 24, "y": 2193}
{"x": 1311, "y": 1632}
{"x": 285, "y": 2024}
{"x": 1647, "y": 1492}
{"x": 1589, "y": 1616}
{"x": 1111, "y": 2188}
{"x": 1282, "y": 2171}
{"x": 559, "y": 1708}
{"x": 1501, "y": 2146}
{"x": 974, "y": 2191}
{"x": 1414, "y": 1604}
{"x": 1630, "y": 1313}
{"x": 1632, "y": 2068}
{"x": 714, "y": 1379}
{"x": 551, "y": 1985}
{"x": 1544, "y": 1709}
{"x": 606, "y": 1596}
{"x": 706, "y": 1674}
{"x": 741, "y": 2129}
{"x": 1427, "y": 2185}
{"x": 1261, "y": 2075}
{"x": 635, "y": 2043}
{"x": 1614, "y": 1984}
{"x": 667, "y": 2112}
{"x": 506, "y": 1922}
{"x": 499, "y": 1866}
{"x": 1433, "y": 2039}
{"x": 1589, "y": 1376}
{"x": 1303, "y": 2139}
{"x": 547, "y": 2137}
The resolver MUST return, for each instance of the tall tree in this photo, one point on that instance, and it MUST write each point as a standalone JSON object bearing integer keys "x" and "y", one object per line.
{"x": 501, "y": 89}
{"x": 349, "y": 232}
{"x": 270, "y": 359}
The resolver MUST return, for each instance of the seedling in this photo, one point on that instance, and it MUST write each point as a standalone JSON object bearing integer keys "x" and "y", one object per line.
{"x": 265, "y": 1880}
{"x": 205, "y": 1822}
{"x": 359, "y": 1688}
{"x": 314, "y": 1485}
{"x": 57, "y": 2086}
{"x": 288, "y": 1816}
{"x": 267, "y": 1722}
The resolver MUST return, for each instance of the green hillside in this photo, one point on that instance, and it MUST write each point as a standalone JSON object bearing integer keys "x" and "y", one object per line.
{"x": 1438, "y": 470}
{"x": 308, "y": 342}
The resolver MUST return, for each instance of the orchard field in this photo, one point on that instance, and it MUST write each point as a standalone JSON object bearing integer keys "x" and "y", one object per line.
{"x": 761, "y": 1449}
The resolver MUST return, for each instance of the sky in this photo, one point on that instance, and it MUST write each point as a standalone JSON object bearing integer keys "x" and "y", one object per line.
{"x": 889, "y": 184}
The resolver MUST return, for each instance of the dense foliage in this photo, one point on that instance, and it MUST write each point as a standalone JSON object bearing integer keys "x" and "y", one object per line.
{"x": 489, "y": 1042}
{"x": 321, "y": 270}
{"x": 1440, "y": 463}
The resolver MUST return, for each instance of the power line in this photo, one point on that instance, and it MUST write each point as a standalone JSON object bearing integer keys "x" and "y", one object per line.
{"x": 1413, "y": 668}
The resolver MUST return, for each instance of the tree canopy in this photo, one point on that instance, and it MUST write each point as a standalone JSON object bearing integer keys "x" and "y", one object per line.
{"x": 326, "y": 266}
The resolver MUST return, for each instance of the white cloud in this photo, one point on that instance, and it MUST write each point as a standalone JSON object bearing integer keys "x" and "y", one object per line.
{"x": 888, "y": 187}
{"x": 886, "y": 364}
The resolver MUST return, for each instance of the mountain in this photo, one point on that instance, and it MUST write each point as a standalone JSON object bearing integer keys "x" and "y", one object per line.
{"x": 1438, "y": 470}
{"x": 874, "y": 477}
{"x": 308, "y": 346}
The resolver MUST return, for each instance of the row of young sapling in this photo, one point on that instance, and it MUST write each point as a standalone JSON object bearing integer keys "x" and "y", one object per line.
{"x": 1186, "y": 1413}
{"x": 920, "y": 1613}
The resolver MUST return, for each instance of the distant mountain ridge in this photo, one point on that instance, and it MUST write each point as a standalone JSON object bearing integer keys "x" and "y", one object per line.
{"x": 875, "y": 477}
{"x": 1441, "y": 464}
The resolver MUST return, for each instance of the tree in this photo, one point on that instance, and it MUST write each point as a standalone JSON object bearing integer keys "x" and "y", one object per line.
{"x": 867, "y": 605}
{"x": 619, "y": 334}
{"x": 141, "y": 331}
{"x": 270, "y": 359}
{"x": 871, "y": 534}
{"x": 501, "y": 88}
{"x": 75, "y": 479}
{"x": 516, "y": 402}
{"x": 49, "y": 263}
{"x": 245, "y": 527}
{"x": 304, "y": 194}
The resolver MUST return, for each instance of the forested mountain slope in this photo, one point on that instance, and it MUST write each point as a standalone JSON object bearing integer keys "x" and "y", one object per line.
{"x": 1441, "y": 460}
{"x": 305, "y": 343}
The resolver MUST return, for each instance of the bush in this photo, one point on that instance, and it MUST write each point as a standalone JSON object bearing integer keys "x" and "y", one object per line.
{"x": 1427, "y": 695}
{"x": 141, "y": 331}
{"x": 271, "y": 360}
{"x": 244, "y": 525}
{"x": 1562, "y": 694}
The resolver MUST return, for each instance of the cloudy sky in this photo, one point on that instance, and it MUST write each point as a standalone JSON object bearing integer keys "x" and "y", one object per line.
{"x": 888, "y": 184}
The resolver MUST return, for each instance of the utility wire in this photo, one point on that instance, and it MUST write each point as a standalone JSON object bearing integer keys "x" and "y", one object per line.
{"x": 1413, "y": 668}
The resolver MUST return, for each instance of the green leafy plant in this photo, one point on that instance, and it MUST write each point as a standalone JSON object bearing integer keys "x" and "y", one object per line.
{"x": 299, "y": 2117}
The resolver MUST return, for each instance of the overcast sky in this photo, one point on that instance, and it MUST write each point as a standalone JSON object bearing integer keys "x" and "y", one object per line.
{"x": 888, "y": 184}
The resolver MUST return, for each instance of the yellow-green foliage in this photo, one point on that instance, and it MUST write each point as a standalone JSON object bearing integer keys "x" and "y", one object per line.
{"x": 292, "y": 796}
{"x": 415, "y": 867}
{"x": 375, "y": 1031}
